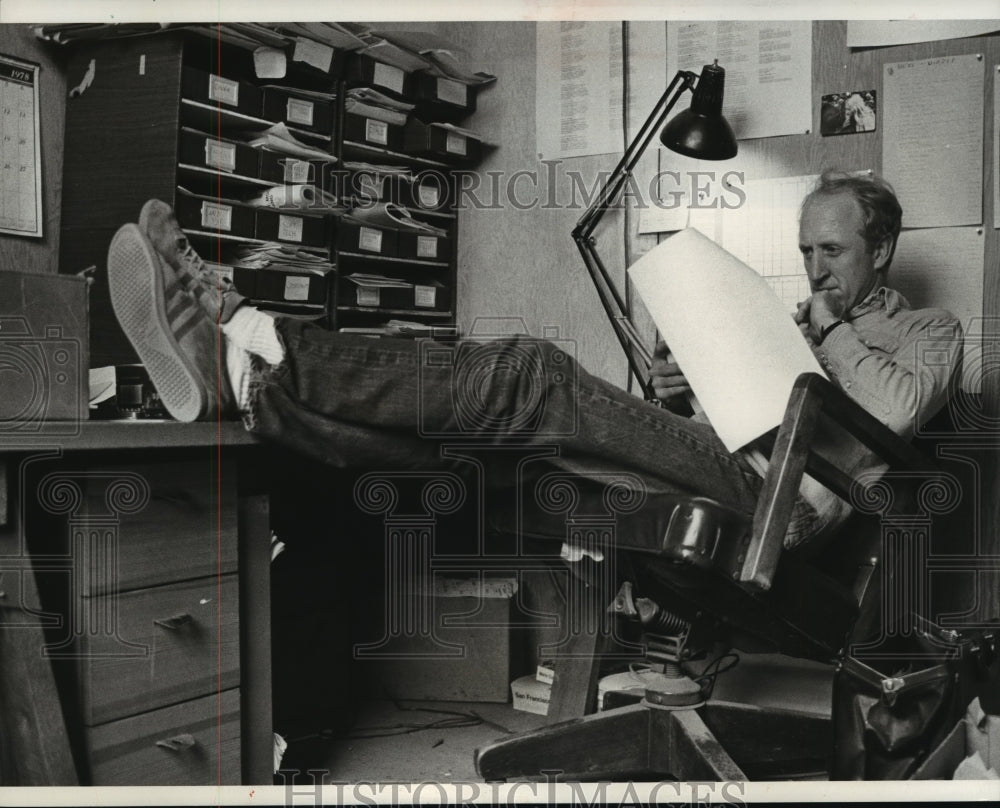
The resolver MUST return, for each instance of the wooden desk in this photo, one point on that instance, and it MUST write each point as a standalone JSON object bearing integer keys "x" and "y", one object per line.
{"x": 77, "y": 680}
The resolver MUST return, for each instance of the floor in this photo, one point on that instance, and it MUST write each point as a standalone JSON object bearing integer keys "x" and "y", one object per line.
{"x": 412, "y": 742}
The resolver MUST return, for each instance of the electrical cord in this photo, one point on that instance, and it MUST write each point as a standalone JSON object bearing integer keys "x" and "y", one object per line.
{"x": 706, "y": 679}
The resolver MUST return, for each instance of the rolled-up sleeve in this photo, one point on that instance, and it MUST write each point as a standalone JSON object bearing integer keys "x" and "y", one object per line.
{"x": 901, "y": 371}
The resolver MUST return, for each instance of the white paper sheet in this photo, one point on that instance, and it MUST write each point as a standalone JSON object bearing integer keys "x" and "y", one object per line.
{"x": 768, "y": 71}
{"x": 739, "y": 348}
{"x": 578, "y": 96}
{"x": 932, "y": 142}
{"x": 943, "y": 268}
{"x": 877, "y": 33}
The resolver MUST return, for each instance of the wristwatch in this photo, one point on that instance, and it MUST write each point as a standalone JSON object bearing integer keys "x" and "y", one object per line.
{"x": 827, "y": 329}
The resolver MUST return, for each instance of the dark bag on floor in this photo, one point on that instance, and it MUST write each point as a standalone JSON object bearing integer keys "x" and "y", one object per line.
{"x": 895, "y": 704}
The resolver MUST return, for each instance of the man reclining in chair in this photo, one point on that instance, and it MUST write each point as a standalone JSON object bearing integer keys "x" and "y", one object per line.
{"x": 353, "y": 401}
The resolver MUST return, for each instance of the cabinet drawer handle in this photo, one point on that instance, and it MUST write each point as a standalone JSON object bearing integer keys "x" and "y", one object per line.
{"x": 175, "y": 622}
{"x": 179, "y": 743}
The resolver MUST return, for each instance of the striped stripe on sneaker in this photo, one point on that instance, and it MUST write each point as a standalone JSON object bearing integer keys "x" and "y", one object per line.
{"x": 174, "y": 338}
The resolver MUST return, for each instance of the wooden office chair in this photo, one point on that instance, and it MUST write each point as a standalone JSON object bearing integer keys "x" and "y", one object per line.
{"x": 708, "y": 573}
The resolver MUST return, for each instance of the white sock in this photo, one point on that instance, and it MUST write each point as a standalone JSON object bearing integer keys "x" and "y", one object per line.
{"x": 253, "y": 331}
{"x": 238, "y": 367}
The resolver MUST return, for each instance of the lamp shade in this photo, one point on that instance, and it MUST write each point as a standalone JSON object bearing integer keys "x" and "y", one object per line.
{"x": 702, "y": 131}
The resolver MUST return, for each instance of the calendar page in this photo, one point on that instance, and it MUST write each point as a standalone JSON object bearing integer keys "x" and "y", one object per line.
{"x": 20, "y": 158}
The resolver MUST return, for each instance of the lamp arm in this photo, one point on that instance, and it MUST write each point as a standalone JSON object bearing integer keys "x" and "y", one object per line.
{"x": 684, "y": 80}
{"x": 639, "y": 357}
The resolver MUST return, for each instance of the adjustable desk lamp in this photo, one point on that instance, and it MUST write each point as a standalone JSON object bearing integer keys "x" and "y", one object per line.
{"x": 700, "y": 132}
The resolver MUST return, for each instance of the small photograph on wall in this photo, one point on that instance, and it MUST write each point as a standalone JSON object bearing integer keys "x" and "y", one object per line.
{"x": 848, "y": 113}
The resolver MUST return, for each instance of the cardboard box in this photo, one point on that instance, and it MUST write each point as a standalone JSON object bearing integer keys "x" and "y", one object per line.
{"x": 440, "y": 143}
{"x": 975, "y": 737}
{"x": 362, "y": 238}
{"x": 372, "y": 132}
{"x": 297, "y": 111}
{"x": 207, "y": 151}
{"x": 443, "y": 99}
{"x": 423, "y": 246}
{"x": 281, "y": 225}
{"x": 211, "y": 88}
{"x": 282, "y": 168}
{"x": 213, "y": 216}
{"x": 44, "y": 353}
{"x": 530, "y": 695}
{"x": 470, "y": 656}
{"x": 364, "y": 70}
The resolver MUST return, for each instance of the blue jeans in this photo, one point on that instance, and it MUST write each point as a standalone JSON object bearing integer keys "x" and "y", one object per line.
{"x": 352, "y": 401}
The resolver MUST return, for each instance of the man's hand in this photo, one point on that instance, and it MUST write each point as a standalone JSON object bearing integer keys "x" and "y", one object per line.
{"x": 817, "y": 312}
{"x": 668, "y": 382}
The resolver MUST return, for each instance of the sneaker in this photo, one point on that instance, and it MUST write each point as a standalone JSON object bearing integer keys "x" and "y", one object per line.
{"x": 214, "y": 293}
{"x": 176, "y": 341}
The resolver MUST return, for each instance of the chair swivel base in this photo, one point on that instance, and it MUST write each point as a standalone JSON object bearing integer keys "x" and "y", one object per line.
{"x": 641, "y": 741}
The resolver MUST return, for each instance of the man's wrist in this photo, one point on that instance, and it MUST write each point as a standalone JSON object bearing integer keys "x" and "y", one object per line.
{"x": 827, "y": 329}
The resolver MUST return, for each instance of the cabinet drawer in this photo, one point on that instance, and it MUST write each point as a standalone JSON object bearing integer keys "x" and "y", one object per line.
{"x": 175, "y": 746}
{"x": 186, "y": 530}
{"x": 173, "y": 643}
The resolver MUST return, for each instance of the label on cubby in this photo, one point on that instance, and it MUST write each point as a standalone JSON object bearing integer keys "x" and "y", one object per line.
{"x": 427, "y": 246}
{"x": 289, "y": 228}
{"x": 455, "y": 144}
{"x": 297, "y": 171}
{"x": 388, "y": 76}
{"x": 216, "y": 217}
{"x": 429, "y": 195}
{"x": 225, "y": 91}
{"x": 368, "y": 296}
{"x": 299, "y": 111}
{"x": 369, "y": 239}
{"x": 220, "y": 155}
{"x": 376, "y": 131}
{"x": 296, "y": 288}
{"x": 313, "y": 53}
{"x": 454, "y": 92}
{"x": 424, "y": 297}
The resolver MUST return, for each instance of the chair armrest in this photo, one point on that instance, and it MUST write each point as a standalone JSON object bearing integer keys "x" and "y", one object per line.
{"x": 813, "y": 400}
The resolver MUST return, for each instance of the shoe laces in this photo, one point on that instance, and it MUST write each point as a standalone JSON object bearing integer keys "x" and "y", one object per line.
{"x": 197, "y": 269}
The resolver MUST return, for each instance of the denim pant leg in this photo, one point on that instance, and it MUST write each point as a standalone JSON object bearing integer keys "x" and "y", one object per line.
{"x": 351, "y": 400}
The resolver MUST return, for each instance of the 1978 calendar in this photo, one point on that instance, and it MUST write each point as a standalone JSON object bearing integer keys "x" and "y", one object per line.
{"x": 20, "y": 158}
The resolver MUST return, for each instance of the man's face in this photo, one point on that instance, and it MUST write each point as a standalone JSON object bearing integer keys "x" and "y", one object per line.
{"x": 835, "y": 254}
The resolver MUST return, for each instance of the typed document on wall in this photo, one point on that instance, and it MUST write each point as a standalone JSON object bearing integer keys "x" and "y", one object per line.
{"x": 768, "y": 70}
{"x": 578, "y": 106}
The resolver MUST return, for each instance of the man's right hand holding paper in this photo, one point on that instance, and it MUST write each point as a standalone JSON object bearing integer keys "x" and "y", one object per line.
{"x": 667, "y": 381}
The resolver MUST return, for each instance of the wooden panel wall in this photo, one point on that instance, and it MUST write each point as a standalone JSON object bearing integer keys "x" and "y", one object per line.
{"x": 32, "y": 254}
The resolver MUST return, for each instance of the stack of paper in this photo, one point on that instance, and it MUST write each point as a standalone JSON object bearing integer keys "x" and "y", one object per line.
{"x": 278, "y": 138}
{"x": 386, "y": 214}
{"x": 271, "y": 255}
{"x": 372, "y": 104}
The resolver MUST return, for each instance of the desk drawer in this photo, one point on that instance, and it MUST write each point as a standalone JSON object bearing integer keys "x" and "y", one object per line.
{"x": 186, "y": 530}
{"x": 184, "y": 644}
{"x": 175, "y": 746}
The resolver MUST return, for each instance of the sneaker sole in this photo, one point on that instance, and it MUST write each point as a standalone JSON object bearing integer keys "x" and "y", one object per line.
{"x": 138, "y": 300}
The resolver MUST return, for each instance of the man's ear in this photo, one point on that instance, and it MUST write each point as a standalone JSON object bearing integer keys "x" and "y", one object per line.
{"x": 883, "y": 252}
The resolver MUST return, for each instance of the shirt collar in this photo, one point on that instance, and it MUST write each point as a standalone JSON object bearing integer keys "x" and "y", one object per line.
{"x": 882, "y": 299}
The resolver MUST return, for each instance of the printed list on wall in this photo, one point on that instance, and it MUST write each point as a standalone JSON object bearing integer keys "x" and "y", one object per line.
{"x": 932, "y": 142}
